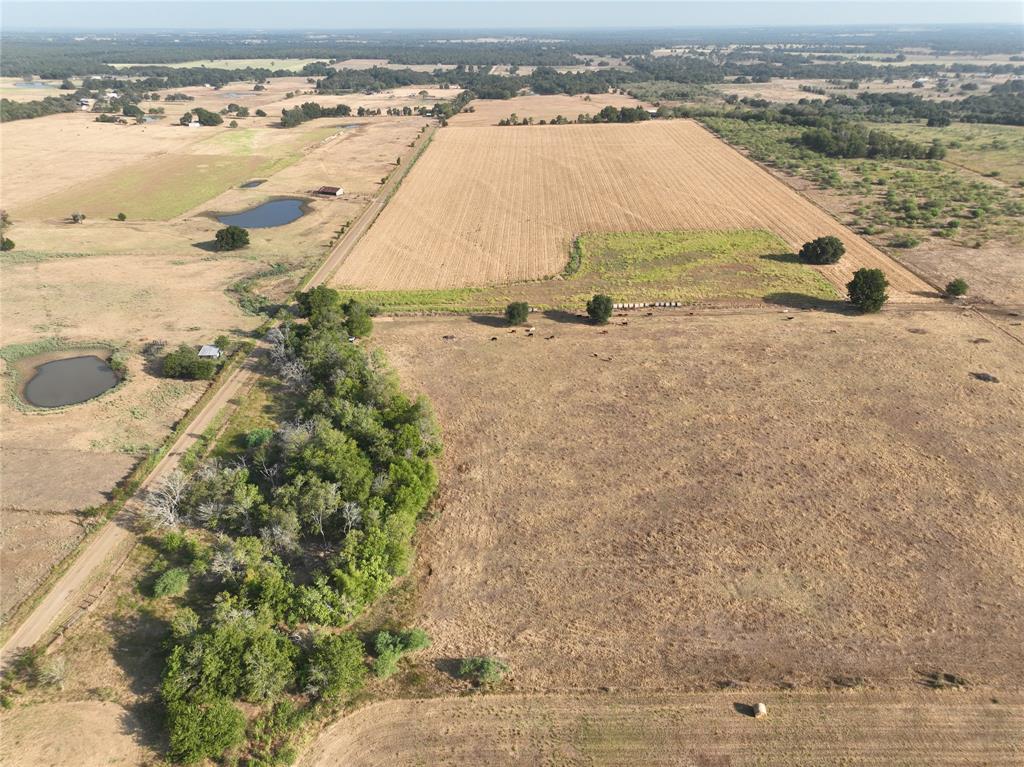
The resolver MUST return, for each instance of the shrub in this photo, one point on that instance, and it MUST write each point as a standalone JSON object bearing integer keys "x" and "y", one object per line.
{"x": 233, "y": 124}
{"x": 258, "y": 437}
{"x": 6, "y": 243}
{"x": 122, "y": 217}
{"x": 389, "y": 649}
{"x": 823, "y": 250}
{"x": 185, "y": 362}
{"x": 600, "y": 308}
{"x": 231, "y": 238}
{"x": 867, "y": 289}
{"x": 260, "y": 112}
{"x": 172, "y": 583}
{"x": 77, "y": 218}
{"x": 517, "y": 312}
{"x": 483, "y": 671}
{"x": 904, "y": 241}
{"x": 203, "y": 730}
{"x": 957, "y": 287}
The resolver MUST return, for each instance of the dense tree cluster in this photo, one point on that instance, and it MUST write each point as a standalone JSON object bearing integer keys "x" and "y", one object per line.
{"x": 310, "y": 110}
{"x": 347, "y": 478}
{"x": 185, "y": 362}
{"x": 26, "y": 110}
{"x": 847, "y": 139}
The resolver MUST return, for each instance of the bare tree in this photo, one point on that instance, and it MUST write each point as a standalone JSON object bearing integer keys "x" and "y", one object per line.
{"x": 163, "y": 505}
{"x": 351, "y": 516}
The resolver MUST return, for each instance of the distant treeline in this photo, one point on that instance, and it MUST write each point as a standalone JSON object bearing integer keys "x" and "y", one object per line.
{"x": 714, "y": 69}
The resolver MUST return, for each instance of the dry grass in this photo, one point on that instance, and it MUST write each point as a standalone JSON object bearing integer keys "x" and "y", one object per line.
{"x": 666, "y": 730}
{"x": 490, "y": 111}
{"x": 494, "y": 205}
{"x": 685, "y": 500}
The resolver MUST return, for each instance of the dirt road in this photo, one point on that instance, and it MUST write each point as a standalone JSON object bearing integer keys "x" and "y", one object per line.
{"x": 100, "y": 556}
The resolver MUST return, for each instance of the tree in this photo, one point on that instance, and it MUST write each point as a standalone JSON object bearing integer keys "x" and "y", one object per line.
{"x": 6, "y": 243}
{"x": 186, "y": 119}
{"x": 77, "y": 218}
{"x": 600, "y": 308}
{"x": 823, "y": 250}
{"x": 260, "y": 112}
{"x": 203, "y": 730}
{"x": 357, "y": 319}
{"x": 185, "y": 362}
{"x": 231, "y": 238}
{"x": 233, "y": 124}
{"x": 122, "y": 217}
{"x": 957, "y": 287}
{"x": 517, "y": 312}
{"x": 336, "y": 666}
{"x": 867, "y": 289}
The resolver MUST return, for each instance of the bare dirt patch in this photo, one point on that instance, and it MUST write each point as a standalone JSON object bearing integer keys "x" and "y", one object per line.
{"x": 757, "y": 517}
{"x": 665, "y": 729}
{"x": 492, "y": 205}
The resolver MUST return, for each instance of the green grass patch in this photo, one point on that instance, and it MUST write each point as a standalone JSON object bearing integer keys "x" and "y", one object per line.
{"x": 684, "y": 266}
{"x": 265, "y": 406}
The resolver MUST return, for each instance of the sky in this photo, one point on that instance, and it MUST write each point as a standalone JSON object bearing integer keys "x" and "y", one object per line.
{"x": 489, "y": 14}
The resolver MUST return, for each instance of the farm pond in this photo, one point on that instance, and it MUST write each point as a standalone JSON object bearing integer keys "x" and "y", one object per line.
{"x": 273, "y": 213}
{"x": 69, "y": 381}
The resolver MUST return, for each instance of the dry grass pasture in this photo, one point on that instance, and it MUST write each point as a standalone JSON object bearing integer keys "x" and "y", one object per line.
{"x": 672, "y": 730}
{"x": 691, "y": 501}
{"x": 490, "y": 111}
{"x": 498, "y": 205}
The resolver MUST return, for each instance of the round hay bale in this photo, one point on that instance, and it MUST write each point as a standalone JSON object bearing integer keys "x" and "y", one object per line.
{"x": 760, "y": 710}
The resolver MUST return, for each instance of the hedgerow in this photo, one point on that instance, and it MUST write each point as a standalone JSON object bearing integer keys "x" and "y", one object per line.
{"x": 310, "y": 527}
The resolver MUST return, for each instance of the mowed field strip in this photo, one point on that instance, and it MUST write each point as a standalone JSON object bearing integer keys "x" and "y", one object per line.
{"x": 703, "y": 730}
{"x": 497, "y": 204}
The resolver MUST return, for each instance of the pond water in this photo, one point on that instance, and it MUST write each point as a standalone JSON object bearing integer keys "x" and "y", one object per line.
{"x": 254, "y": 183}
{"x": 273, "y": 213}
{"x": 69, "y": 381}
{"x": 152, "y": 118}
{"x": 34, "y": 84}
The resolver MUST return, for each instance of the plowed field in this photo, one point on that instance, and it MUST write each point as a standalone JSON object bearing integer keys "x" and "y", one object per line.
{"x": 496, "y": 205}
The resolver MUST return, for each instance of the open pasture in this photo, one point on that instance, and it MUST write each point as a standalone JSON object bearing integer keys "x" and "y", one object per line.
{"x": 760, "y": 518}
{"x": 291, "y": 65}
{"x": 490, "y": 111}
{"x": 503, "y": 204}
{"x": 385, "y": 64}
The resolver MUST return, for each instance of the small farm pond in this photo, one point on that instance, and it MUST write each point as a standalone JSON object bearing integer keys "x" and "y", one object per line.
{"x": 253, "y": 184}
{"x": 69, "y": 381}
{"x": 34, "y": 84}
{"x": 274, "y": 213}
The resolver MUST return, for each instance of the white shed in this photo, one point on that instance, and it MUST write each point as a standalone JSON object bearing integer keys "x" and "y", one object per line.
{"x": 209, "y": 351}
